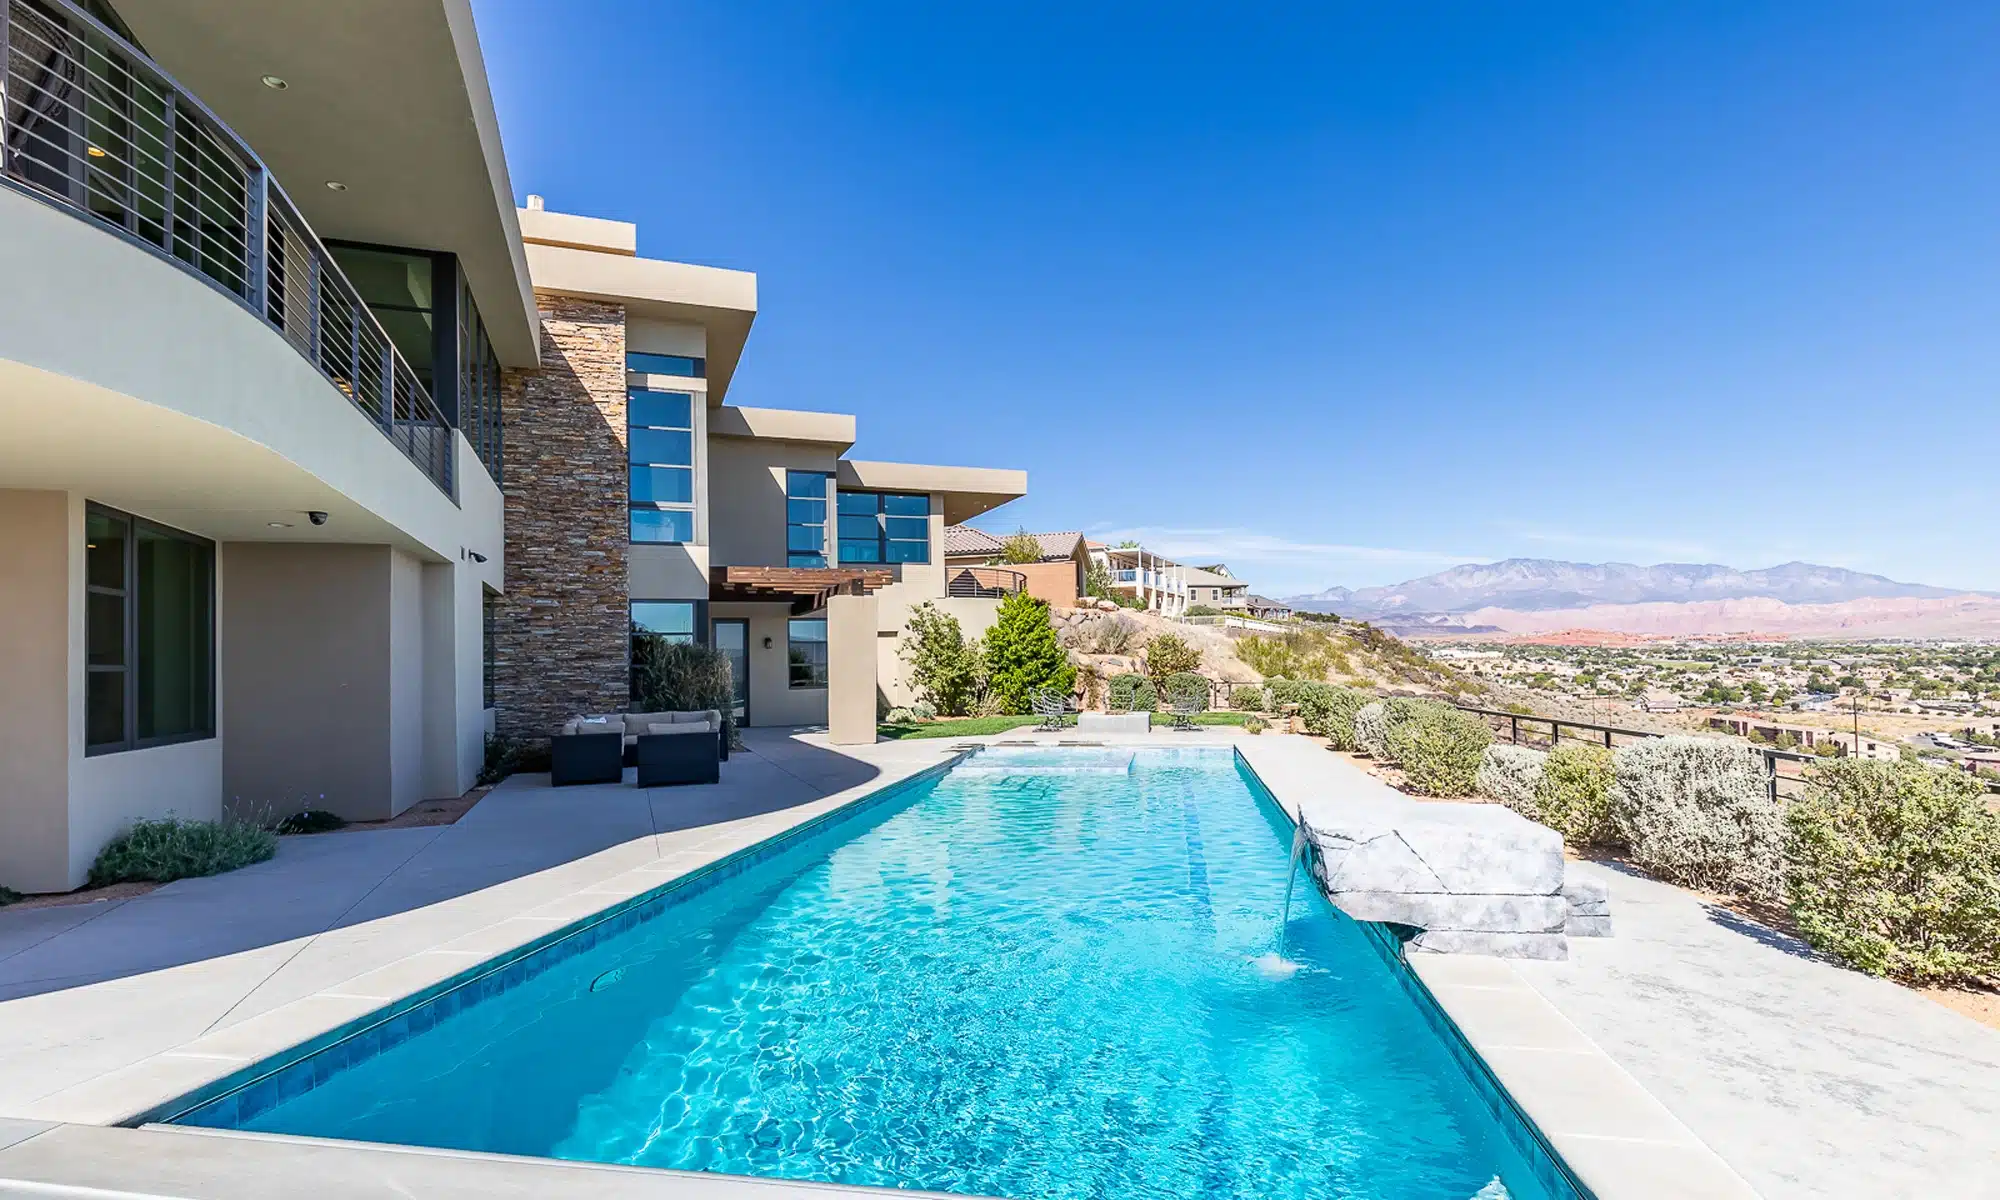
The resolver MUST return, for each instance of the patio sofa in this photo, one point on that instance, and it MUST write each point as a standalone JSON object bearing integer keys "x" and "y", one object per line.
{"x": 667, "y": 747}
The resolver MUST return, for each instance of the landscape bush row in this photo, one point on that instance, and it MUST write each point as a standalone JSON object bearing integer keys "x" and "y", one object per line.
{"x": 1890, "y": 867}
{"x": 1001, "y": 672}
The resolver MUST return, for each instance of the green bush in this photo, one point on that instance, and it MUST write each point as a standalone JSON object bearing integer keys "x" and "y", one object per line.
{"x": 1894, "y": 869}
{"x": 1168, "y": 655}
{"x": 163, "y": 850}
{"x": 1438, "y": 746}
{"x": 508, "y": 755}
{"x": 899, "y": 716}
{"x": 1186, "y": 686}
{"x": 1280, "y": 691}
{"x": 1202, "y": 610}
{"x": 312, "y": 820}
{"x": 923, "y": 711}
{"x": 1254, "y": 725}
{"x": 1133, "y": 693}
{"x": 1247, "y": 698}
{"x": 1574, "y": 795}
{"x": 1512, "y": 775}
{"x": 1697, "y": 811}
{"x": 1023, "y": 656}
{"x": 682, "y": 677}
{"x": 946, "y": 671}
{"x": 1328, "y": 711}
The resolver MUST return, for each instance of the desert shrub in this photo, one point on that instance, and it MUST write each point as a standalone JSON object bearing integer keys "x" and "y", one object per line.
{"x": 163, "y": 850}
{"x": 1168, "y": 655}
{"x": 1438, "y": 746}
{"x": 1023, "y": 657}
{"x": 1574, "y": 797}
{"x": 1133, "y": 693}
{"x": 682, "y": 677}
{"x": 1295, "y": 654}
{"x": 1247, "y": 698}
{"x": 1371, "y": 729}
{"x": 1254, "y": 725}
{"x": 1114, "y": 634}
{"x": 924, "y": 711}
{"x": 1020, "y": 548}
{"x": 311, "y": 820}
{"x": 1512, "y": 774}
{"x": 1698, "y": 811}
{"x": 1895, "y": 869}
{"x": 1328, "y": 711}
{"x": 1183, "y": 686}
{"x": 947, "y": 672}
{"x": 899, "y": 716}
{"x": 1280, "y": 691}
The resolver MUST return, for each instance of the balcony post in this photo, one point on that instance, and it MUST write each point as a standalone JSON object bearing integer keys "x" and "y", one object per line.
{"x": 256, "y": 247}
{"x": 388, "y": 381}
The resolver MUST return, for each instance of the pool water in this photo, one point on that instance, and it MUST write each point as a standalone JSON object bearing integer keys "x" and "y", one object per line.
{"x": 1013, "y": 983}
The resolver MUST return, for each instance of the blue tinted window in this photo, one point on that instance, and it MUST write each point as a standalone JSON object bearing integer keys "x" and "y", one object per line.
{"x": 672, "y": 447}
{"x": 672, "y": 618}
{"x": 858, "y": 503}
{"x": 805, "y": 560}
{"x": 907, "y": 529}
{"x": 805, "y": 537}
{"x": 909, "y": 552}
{"x": 884, "y": 527}
{"x": 906, "y": 506}
{"x": 662, "y": 485}
{"x": 805, "y": 517}
{"x": 669, "y": 410}
{"x": 859, "y": 527}
{"x": 861, "y": 552}
{"x": 809, "y": 485}
{"x": 804, "y": 512}
{"x": 805, "y": 652}
{"x": 666, "y": 364}
{"x": 662, "y": 525}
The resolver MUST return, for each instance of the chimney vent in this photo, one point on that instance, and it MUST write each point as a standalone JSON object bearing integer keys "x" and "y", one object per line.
{"x": 534, "y": 203}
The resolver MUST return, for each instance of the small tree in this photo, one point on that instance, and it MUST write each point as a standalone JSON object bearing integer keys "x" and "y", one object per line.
{"x": 1573, "y": 796}
{"x": 1020, "y": 548}
{"x": 1133, "y": 693}
{"x": 1097, "y": 580}
{"x": 1023, "y": 656}
{"x": 945, "y": 669}
{"x": 1168, "y": 654}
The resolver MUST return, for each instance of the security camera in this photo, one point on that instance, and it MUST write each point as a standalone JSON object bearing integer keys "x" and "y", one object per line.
{"x": 317, "y": 518}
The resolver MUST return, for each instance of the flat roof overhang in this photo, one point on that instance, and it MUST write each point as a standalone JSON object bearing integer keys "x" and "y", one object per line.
{"x": 721, "y": 301}
{"x": 967, "y": 491}
{"x": 388, "y": 97}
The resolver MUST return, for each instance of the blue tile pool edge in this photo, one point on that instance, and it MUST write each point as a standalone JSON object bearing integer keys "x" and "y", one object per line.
{"x": 293, "y": 1071}
{"x": 1527, "y": 1138}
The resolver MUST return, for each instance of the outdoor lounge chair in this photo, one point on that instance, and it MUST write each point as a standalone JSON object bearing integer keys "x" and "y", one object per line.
{"x": 1050, "y": 707}
{"x": 594, "y": 753}
{"x": 673, "y": 754}
{"x": 1185, "y": 706}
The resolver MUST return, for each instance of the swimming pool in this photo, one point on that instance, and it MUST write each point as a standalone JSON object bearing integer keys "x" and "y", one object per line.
{"x": 1040, "y": 974}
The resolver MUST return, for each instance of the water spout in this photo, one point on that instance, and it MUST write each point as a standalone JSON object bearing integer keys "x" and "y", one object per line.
{"x": 1300, "y": 840}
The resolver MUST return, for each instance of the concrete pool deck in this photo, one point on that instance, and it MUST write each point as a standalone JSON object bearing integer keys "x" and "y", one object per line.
{"x": 1685, "y": 1031}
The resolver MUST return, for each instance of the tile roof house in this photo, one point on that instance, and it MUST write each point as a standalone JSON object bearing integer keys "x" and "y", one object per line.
{"x": 1057, "y": 577}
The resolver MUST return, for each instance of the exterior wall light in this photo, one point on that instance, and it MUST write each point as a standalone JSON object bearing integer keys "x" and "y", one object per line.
{"x": 334, "y": 185}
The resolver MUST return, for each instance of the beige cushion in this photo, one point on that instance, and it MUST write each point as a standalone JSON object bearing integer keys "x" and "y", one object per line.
{"x": 592, "y": 725}
{"x": 677, "y": 727}
{"x": 635, "y": 723}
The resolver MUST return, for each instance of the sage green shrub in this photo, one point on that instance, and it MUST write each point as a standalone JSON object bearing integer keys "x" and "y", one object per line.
{"x": 1512, "y": 775}
{"x": 1280, "y": 691}
{"x": 1184, "y": 686}
{"x": 1371, "y": 729}
{"x": 166, "y": 849}
{"x": 1697, "y": 811}
{"x": 1247, "y": 698}
{"x": 1894, "y": 869}
{"x": 1574, "y": 794}
{"x": 1438, "y": 746}
{"x": 1328, "y": 711}
{"x": 1133, "y": 693}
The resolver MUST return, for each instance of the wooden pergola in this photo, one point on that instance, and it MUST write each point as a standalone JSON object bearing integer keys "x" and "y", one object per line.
{"x": 805, "y": 588}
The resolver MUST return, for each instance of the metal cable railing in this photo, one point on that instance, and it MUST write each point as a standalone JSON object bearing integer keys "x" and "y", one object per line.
{"x": 90, "y": 124}
{"x": 989, "y": 582}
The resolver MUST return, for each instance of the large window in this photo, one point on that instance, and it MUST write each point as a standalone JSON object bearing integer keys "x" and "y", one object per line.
{"x": 805, "y": 518}
{"x": 805, "y": 652}
{"x": 670, "y": 619}
{"x": 884, "y": 527}
{"x": 399, "y": 287}
{"x": 660, "y": 437}
{"x": 149, "y": 636}
{"x": 478, "y": 383}
{"x": 666, "y": 364}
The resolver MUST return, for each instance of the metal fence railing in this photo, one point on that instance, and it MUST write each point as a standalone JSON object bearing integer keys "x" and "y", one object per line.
{"x": 90, "y": 124}
{"x": 991, "y": 582}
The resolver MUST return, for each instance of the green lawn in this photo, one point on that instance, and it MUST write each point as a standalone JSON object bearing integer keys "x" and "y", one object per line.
{"x": 981, "y": 726}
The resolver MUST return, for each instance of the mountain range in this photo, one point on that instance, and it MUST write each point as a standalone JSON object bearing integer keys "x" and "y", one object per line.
{"x": 1488, "y": 593}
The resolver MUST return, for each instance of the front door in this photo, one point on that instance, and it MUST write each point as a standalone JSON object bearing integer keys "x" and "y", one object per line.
{"x": 732, "y": 637}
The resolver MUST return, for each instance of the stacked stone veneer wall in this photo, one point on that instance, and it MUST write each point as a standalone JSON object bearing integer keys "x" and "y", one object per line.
{"x": 562, "y": 642}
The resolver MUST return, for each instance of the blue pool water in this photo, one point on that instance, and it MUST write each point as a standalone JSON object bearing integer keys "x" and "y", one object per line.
{"x": 1013, "y": 980}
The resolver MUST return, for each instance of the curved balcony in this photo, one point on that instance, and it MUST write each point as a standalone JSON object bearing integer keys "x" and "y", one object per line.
{"x": 988, "y": 582}
{"x": 91, "y": 125}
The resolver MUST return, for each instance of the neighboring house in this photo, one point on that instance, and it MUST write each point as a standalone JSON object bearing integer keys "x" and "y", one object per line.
{"x": 1266, "y": 609}
{"x": 1214, "y": 587}
{"x": 974, "y": 559}
{"x": 1159, "y": 583}
{"x": 322, "y": 462}
{"x": 1661, "y": 702}
{"x": 1806, "y": 738}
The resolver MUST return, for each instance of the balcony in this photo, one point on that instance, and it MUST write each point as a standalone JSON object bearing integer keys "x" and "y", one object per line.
{"x": 993, "y": 583}
{"x": 92, "y": 126}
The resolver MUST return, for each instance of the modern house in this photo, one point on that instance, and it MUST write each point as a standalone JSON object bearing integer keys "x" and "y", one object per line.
{"x": 320, "y": 460}
{"x": 1157, "y": 582}
{"x": 1214, "y": 587}
{"x": 977, "y": 565}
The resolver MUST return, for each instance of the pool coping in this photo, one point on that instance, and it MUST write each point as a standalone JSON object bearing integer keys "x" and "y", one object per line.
{"x": 1615, "y": 1138}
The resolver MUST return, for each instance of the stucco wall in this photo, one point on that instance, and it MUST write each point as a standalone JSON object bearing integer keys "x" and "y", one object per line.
{"x": 975, "y": 616}
{"x": 1057, "y": 583}
{"x": 34, "y": 691}
{"x": 746, "y": 492}
{"x": 850, "y": 670}
{"x": 406, "y": 681}
{"x": 773, "y": 701}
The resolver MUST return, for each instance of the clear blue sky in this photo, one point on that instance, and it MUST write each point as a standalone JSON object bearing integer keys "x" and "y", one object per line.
{"x": 1342, "y": 294}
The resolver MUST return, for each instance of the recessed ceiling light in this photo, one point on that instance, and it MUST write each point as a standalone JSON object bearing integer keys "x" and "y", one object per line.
{"x": 279, "y": 524}
{"x": 95, "y": 151}
{"x": 275, "y": 84}
{"x": 334, "y": 185}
